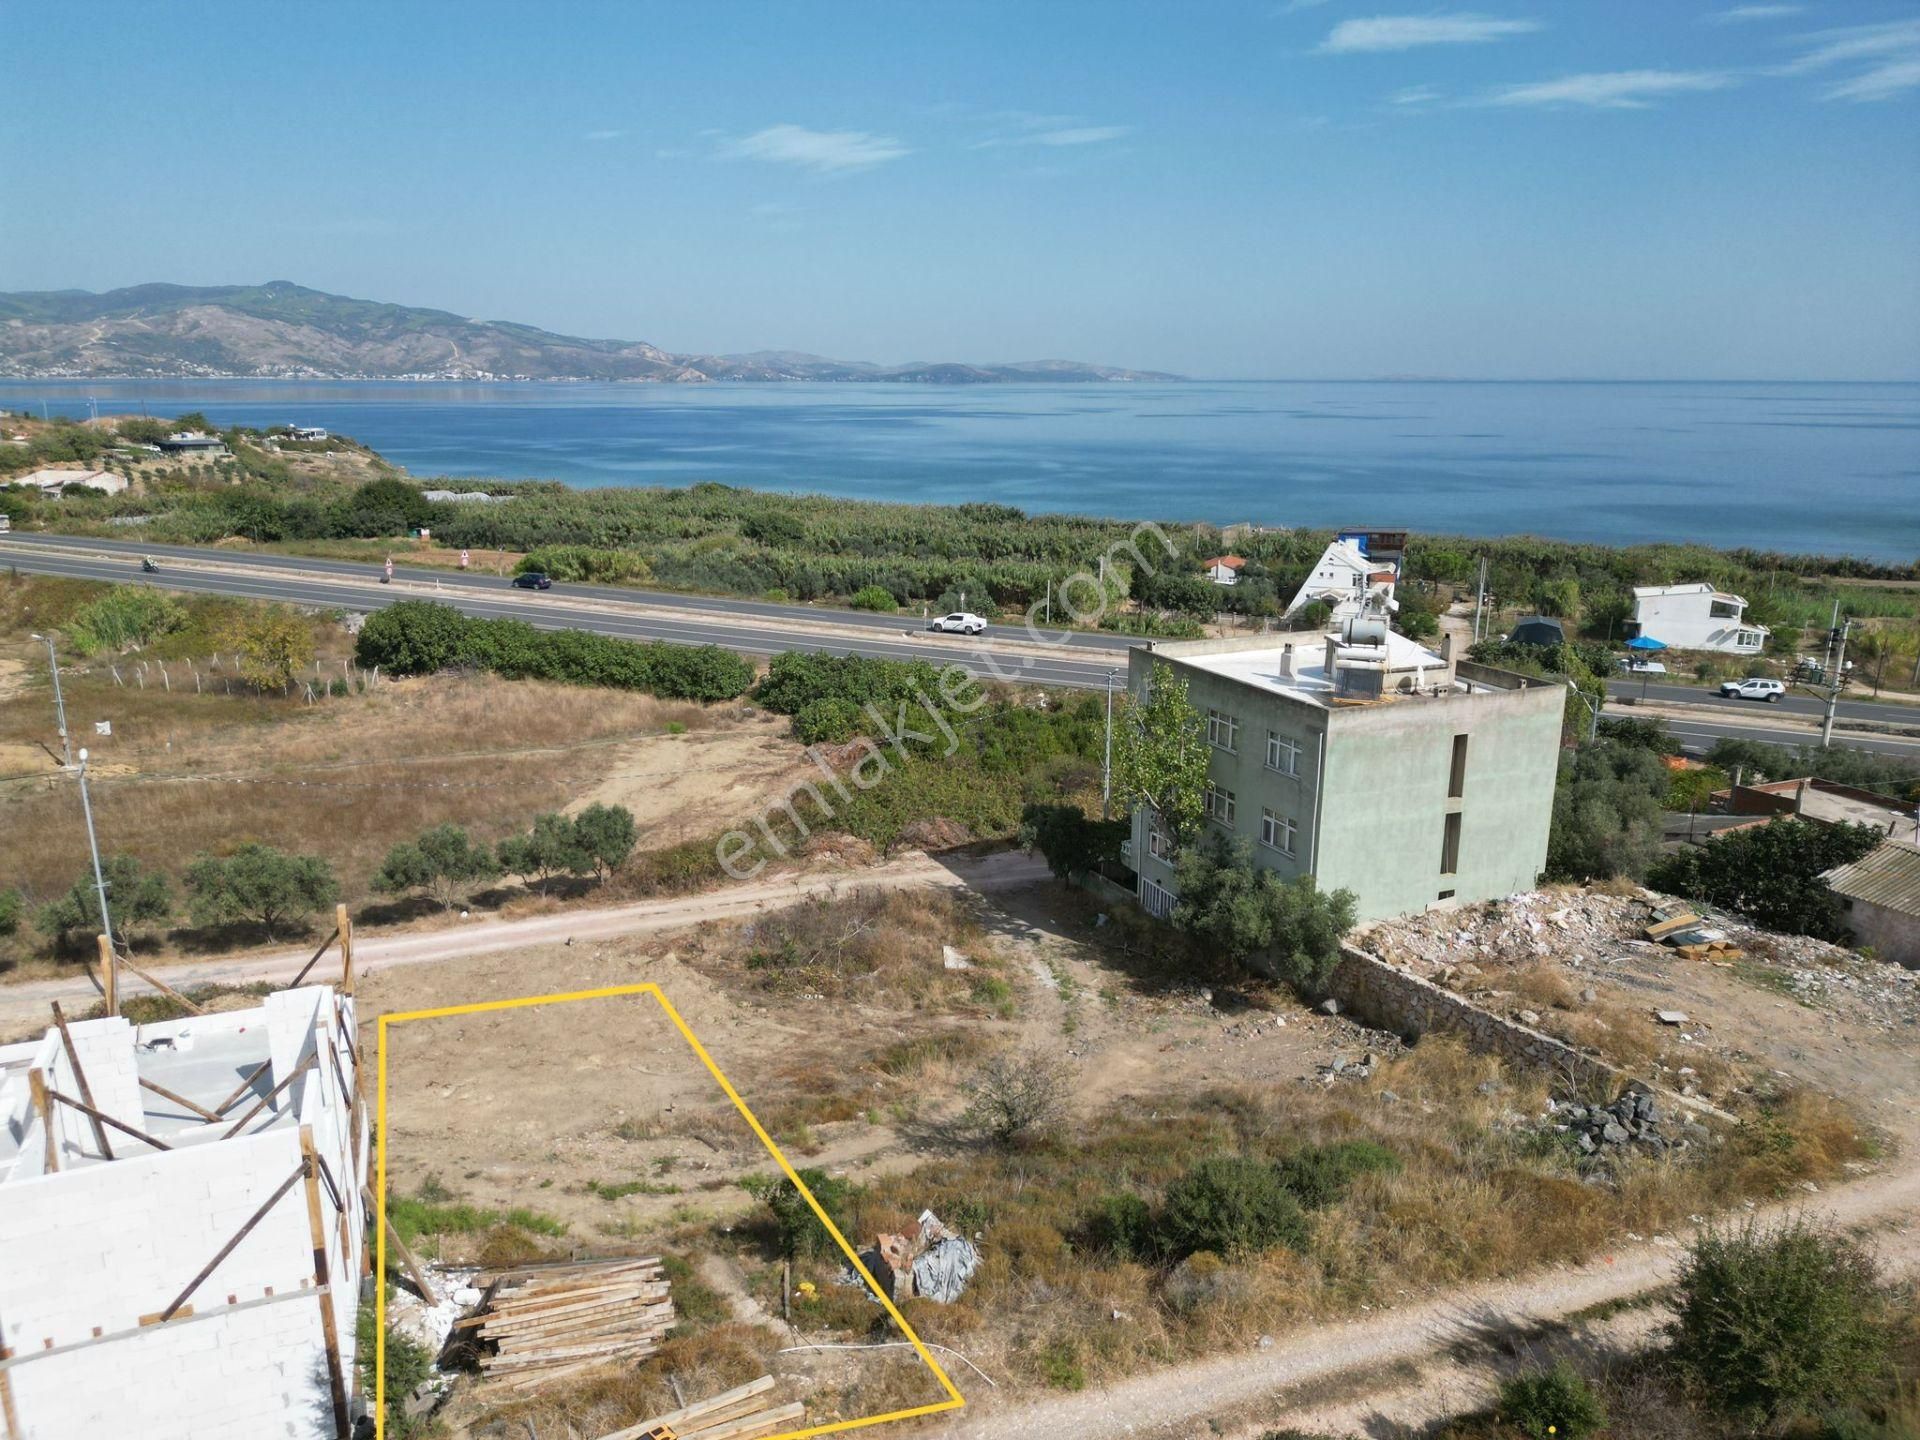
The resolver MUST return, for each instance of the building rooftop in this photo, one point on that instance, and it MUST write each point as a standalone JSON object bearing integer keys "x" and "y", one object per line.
{"x": 1326, "y": 670}
{"x": 1654, "y": 592}
{"x": 1889, "y": 876}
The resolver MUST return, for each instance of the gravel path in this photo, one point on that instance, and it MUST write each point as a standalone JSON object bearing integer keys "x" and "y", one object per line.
{"x": 25, "y": 1004}
{"x": 1253, "y": 1387}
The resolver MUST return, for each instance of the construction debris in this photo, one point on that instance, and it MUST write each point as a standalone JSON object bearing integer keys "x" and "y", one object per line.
{"x": 933, "y": 1263}
{"x": 1633, "y": 1119}
{"x": 748, "y": 1413}
{"x": 542, "y": 1322}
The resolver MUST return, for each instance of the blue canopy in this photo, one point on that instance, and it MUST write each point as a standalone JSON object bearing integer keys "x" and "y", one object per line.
{"x": 1645, "y": 642}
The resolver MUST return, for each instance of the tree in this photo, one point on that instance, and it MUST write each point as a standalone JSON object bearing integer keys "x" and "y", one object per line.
{"x": 1246, "y": 910}
{"x": 1161, "y": 756}
{"x": 443, "y": 861}
{"x": 1771, "y": 874}
{"x": 261, "y": 885}
{"x": 552, "y": 848}
{"x": 1607, "y": 806}
{"x": 1072, "y": 843}
{"x": 414, "y": 637}
{"x": 606, "y": 834}
{"x": 193, "y": 420}
{"x": 1017, "y": 1096}
{"x": 135, "y": 897}
{"x": 1775, "y": 1323}
{"x": 273, "y": 645}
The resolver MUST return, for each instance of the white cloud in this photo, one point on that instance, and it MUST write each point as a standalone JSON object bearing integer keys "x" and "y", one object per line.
{"x": 1408, "y": 32}
{"x": 1747, "y": 14}
{"x": 1613, "y": 90}
{"x": 1886, "y": 59}
{"x": 604, "y": 135}
{"x": 1414, "y": 95}
{"x": 826, "y": 152}
{"x": 1083, "y": 135}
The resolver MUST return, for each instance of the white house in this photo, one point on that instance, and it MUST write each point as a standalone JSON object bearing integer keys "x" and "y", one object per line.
{"x": 54, "y": 482}
{"x": 1695, "y": 617}
{"x": 1225, "y": 569}
{"x": 1345, "y": 576}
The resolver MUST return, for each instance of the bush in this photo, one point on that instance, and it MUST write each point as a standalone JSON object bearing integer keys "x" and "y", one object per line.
{"x": 12, "y": 906}
{"x": 827, "y": 722}
{"x": 1123, "y": 1225}
{"x": 800, "y": 1234}
{"x": 876, "y": 598}
{"x": 1247, "y": 910}
{"x": 1072, "y": 842}
{"x": 1781, "y": 1322}
{"x": 1231, "y": 1205}
{"x": 1606, "y": 811}
{"x": 126, "y": 616}
{"x": 1320, "y": 1175}
{"x": 1014, "y": 1097}
{"x": 1552, "y": 1403}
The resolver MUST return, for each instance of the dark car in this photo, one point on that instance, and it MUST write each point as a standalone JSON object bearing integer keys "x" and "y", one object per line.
{"x": 532, "y": 580}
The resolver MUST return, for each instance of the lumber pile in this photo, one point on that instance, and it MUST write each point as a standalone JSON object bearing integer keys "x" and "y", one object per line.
{"x": 748, "y": 1413}
{"x": 538, "y": 1324}
{"x": 1686, "y": 932}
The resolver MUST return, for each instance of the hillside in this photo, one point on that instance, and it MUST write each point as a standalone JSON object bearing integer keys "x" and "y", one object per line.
{"x": 282, "y": 330}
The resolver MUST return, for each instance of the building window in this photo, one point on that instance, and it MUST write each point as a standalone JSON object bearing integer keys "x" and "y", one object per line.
{"x": 1450, "y": 846}
{"x": 1724, "y": 610}
{"x": 1158, "y": 845}
{"x": 1282, "y": 754}
{"x": 1457, "y": 776}
{"x": 1277, "y": 832}
{"x": 1223, "y": 731}
{"x": 1747, "y": 639}
{"x": 1156, "y": 899}
{"x": 1219, "y": 805}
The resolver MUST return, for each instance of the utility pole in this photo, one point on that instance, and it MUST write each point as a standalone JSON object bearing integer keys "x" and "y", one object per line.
{"x": 93, "y": 844}
{"x": 59, "y": 704}
{"x": 1479, "y": 597}
{"x": 1106, "y": 763}
{"x": 1836, "y": 673}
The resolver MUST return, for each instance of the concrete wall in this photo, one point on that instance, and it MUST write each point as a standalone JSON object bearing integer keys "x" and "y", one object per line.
{"x": 1893, "y": 934}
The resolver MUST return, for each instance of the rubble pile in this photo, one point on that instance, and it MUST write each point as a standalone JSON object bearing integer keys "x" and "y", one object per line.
{"x": 1633, "y": 1119}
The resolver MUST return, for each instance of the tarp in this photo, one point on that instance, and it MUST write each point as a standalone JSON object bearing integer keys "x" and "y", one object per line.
{"x": 1646, "y": 642}
{"x": 942, "y": 1273}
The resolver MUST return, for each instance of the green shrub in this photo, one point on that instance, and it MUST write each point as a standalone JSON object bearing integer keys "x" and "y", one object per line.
{"x": 876, "y": 598}
{"x": 1072, "y": 842}
{"x": 408, "y": 1365}
{"x": 127, "y": 615}
{"x": 1060, "y": 1364}
{"x": 1320, "y": 1175}
{"x": 1780, "y": 1322}
{"x": 1552, "y": 1403}
{"x": 799, "y": 1232}
{"x": 1231, "y": 1205}
{"x": 827, "y": 722}
{"x": 1123, "y": 1225}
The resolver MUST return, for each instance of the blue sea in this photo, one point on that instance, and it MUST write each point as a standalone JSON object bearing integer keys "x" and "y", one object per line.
{"x": 1820, "y": 467}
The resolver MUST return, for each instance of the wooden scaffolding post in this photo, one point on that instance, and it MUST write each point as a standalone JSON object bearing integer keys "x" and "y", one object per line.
{"x": 345, "y": 927}
{"x": 43, "y": 1107}
{"x": 80, "y": 1079}
{"x": 414, "y": 1269}
{"x": 109, "y": 975}
{"x": 317, "y": 1227}
{"x": 9, "y": 1413}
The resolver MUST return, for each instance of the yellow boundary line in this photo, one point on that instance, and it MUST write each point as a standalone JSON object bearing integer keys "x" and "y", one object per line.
{"x": 954, "y": 1401}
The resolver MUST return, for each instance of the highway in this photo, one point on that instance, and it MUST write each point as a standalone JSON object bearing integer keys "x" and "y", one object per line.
{"x": 750, "y": 627}
{"x": 756, "y": 627}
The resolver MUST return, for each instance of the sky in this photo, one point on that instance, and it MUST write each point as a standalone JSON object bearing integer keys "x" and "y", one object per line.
{"x": 1284, "y": 189}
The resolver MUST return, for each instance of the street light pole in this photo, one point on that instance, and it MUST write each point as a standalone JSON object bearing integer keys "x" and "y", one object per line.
{"x": 1593, "y": 725}
{"x": 1106, "y": 763}
{"x": 59, "y": 704}
{"x": 93, "y": 844}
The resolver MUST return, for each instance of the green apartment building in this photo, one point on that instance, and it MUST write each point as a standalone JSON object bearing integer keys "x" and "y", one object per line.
{"x": 1367, "y": 761}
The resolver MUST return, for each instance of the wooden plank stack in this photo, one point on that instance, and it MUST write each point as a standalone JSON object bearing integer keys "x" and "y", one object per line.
{"x": 1678, "y": 924}
{"x": 748, "y": 1413}
{"x": 538, "y": 1324}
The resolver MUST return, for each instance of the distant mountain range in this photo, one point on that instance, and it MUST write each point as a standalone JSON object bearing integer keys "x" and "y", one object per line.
{"x": 285, "y": 331}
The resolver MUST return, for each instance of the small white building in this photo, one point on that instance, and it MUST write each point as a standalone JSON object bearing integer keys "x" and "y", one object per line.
{"x": 1695, "y": 617}
{"x": 305, "y": 432}
{"x": 1345, "y": 576}
{"x": 1225, "y": 569}
{"x": 171, "y": 1276}
{"x": 56, "y": 482}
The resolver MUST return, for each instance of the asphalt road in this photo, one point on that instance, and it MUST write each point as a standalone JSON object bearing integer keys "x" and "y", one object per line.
{"x": 355, "y": 587}
{"x": 1795, "y": 702}
{"x": 761, "y": 628}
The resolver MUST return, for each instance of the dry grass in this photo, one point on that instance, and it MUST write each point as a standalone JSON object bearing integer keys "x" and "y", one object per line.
{"x": 1482, "y": 1191}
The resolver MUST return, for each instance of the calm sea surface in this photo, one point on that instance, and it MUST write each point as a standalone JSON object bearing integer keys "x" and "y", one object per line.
{"x": 1832, "y": 468}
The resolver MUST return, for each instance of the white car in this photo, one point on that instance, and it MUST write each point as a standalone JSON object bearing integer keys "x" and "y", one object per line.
{"x": 960, "y": 622}
{"x": 1752, "y": 688}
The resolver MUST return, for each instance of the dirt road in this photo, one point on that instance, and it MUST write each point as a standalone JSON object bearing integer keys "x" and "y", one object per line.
{"x": 25, "y": 1004}
{"x": 1257, "y": 1389}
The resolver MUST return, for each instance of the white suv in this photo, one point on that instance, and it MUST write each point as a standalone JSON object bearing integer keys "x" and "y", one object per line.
{"x": 962, "y": 622}
{"x": 1752, "y": 688}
